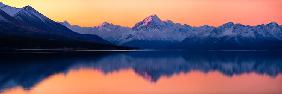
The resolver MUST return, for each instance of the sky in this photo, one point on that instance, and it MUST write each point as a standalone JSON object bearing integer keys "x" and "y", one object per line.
{"x": 129, "y": 12}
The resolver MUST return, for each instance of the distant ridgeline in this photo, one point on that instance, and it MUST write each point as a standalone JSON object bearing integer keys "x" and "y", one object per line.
{"x": 27, "y": 28}
{"x": 154, "y": 33}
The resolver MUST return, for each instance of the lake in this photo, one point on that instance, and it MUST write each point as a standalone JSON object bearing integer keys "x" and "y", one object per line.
{"x": 142, "y": 72}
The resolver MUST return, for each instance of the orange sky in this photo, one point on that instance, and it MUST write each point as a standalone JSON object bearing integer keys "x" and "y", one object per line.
{"x": 129, "y": 12}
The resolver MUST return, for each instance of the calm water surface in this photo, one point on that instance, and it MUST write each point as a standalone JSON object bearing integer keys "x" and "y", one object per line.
{"x": 142, "y": 73}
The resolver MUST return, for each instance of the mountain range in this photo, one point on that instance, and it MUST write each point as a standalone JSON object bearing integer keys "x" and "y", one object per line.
{"x": 26, "y": 28}
{"x": 152, "y": 32}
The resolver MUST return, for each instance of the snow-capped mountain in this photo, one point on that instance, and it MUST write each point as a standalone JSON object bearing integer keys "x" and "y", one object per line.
{"x": 152, "y": 32}
{"x": 12, "y": 11}
{"x": 154, "y": 23}
{"x": 27, "y": 28}
{"x": 237, "y": 36}
{"x": 31, "y": 17}
{"x": 107, "y": 31}
{"x": 29, "y": 13}
{"x": 4, "y": 17}
{"x": 20, "y": 13}
{"x": 150, "y": 23}
{"x": 151, "y": 28}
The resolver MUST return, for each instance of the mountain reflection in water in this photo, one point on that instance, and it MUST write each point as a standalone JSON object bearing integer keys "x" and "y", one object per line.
{"x": 28, "y": 70}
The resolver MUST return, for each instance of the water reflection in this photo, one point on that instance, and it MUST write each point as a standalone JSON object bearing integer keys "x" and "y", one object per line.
{"x": 27, "y": 70}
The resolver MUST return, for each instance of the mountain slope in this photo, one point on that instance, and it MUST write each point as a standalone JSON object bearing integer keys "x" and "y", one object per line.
{"x": 4, "y": 17}
{"x": 30, "y": 16}
{"x": 150, "y": 29}
{"x": 12, "y": 11}
{"x": 232, "y": 36}
{"x": 149, "y": 24}
{"x": 30, "y": 29}
{"x": 113, "y": 33}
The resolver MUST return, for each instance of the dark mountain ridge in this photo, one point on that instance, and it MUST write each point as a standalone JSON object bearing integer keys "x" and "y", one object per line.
{"x": 29, "y": 29}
